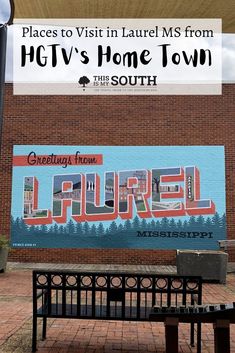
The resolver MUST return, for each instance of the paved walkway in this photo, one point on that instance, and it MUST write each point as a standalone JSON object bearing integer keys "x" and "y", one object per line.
{"x": 90, "y": 336}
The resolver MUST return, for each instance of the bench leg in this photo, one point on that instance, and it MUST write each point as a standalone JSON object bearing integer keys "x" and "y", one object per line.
{"x": 44, "y": 327}
{"x": 192, "y": 343}
{"x": 34, "y": 334}
{"x": 222, "y": 336}
{"x": 171, "y": 335}
{"x": 199, "y": 338}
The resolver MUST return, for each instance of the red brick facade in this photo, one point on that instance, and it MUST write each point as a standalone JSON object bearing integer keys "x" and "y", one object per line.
{"x": 115, "y": 120}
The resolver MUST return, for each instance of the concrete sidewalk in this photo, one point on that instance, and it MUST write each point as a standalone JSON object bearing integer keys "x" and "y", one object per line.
{"x": 91, "y": 336}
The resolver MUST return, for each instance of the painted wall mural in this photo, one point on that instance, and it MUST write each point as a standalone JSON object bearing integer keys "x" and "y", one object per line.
{"x": 146, "y": 197}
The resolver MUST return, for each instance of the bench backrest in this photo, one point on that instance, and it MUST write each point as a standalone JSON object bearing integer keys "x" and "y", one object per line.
{"x": 110, "y": 295}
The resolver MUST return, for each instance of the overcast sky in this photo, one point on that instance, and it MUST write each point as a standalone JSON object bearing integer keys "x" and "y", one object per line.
{"x": 228, "y": 51}
{"x": 4, "y": 11}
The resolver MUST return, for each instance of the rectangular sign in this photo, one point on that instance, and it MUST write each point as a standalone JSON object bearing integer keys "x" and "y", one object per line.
{"x": 143, "y": 197}
{"x": 117, "y": 56}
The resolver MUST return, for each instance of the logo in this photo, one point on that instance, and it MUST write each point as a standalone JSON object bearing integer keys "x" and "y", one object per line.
{"x": 84, "y": 81}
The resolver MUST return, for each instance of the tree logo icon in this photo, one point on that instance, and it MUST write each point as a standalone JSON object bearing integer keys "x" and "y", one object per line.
{"x": 83, "y": 81}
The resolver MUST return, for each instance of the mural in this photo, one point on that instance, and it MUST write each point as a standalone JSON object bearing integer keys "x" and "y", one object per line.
{"x": 118, "y": 197}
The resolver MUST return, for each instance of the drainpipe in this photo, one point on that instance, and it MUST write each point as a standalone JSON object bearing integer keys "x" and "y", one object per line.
{"x": 3, "y": 49}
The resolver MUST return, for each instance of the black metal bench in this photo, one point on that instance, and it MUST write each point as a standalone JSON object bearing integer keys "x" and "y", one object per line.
{"x": 109, "y": 296}
{"x": 220, "y": 315}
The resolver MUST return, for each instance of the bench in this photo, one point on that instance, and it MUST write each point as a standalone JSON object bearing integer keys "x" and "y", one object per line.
{"x": 225, "y": 244}
{"x": 109, "y": 296}
{"x": 220, "y": 315}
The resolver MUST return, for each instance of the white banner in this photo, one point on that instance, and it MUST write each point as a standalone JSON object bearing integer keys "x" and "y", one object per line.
{"x": 117, "y": 56}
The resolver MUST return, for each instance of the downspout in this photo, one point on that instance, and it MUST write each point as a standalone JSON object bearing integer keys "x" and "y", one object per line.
{"x": 3, "y": 49}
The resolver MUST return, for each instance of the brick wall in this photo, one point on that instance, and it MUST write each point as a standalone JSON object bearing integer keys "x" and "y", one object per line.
{"x": 115, "y": 120}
